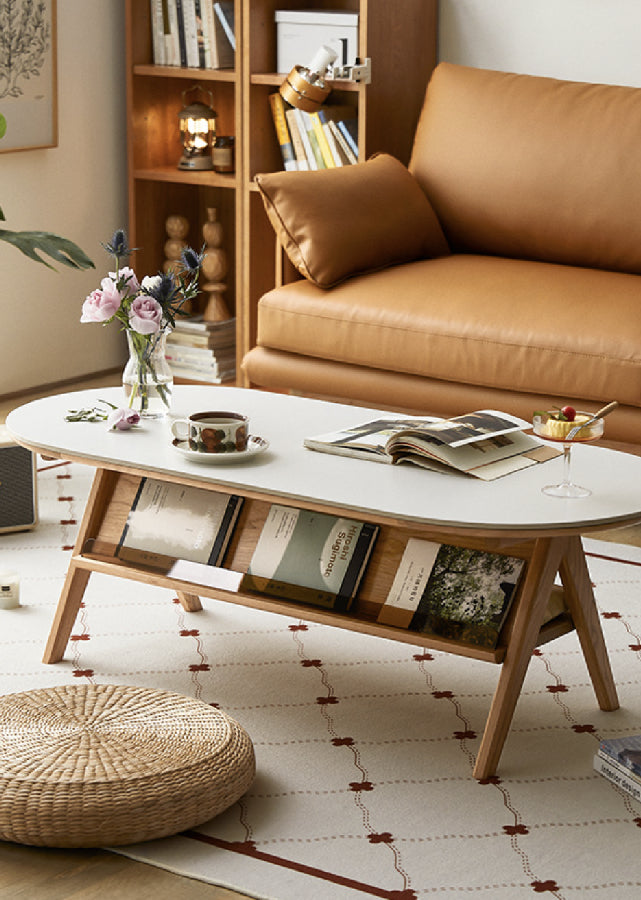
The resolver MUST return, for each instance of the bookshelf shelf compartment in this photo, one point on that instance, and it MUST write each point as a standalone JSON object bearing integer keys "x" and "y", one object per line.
{"x": 186, "y": 73}
{"x": 402, "y": 46}
{"x": 175, "y": 175}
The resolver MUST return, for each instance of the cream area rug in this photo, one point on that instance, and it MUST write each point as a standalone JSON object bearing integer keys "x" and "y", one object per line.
{"x": 364, "y": 747}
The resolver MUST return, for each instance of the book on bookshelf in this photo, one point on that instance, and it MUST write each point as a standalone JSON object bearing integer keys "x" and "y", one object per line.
{"x": 485, "y": 444}
{"x": 225, "y": 14}
{"x": 283, "y": 136}
{"x": 297, "y": 140}
{"x": 343, "y": 147}
{"x": 349, "y": 130}
{"x": 191, "y": 34}
{"x": 182, "y": 41}
{"x": 304, "y": 136}
{"x": 452, "y": 592}
{"x": 321, "y": 120}
{"x": 172, "y": 38}
{"x": 223, "y": 52}
{"x": 159, "y": 27}
{"x": 310, "y": 557}
{"x": 202, "y": 36}
{"x": 169, "y": 522}
{"x": 321, "y": 137}
{"x": 618, "y": 775}
{"x": 314, "y": 146}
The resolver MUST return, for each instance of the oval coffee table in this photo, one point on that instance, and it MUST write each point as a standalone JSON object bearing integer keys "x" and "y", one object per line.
{"x": 510, "y": 515}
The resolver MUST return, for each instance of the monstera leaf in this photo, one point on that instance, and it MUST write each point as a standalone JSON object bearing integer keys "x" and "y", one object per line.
{"x": 33, "y": 243}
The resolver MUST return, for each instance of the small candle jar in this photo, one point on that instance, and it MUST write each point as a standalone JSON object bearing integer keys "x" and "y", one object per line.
{"x": 9, "y": 590}
{"x": 223, "y": 154}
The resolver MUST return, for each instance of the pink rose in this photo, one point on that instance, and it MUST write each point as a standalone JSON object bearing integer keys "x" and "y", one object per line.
{"x": 122, "y": 419}
{"x": 145, "y": 314}
{"x": 100, "y": 306}
{"x": 129, "y": 276}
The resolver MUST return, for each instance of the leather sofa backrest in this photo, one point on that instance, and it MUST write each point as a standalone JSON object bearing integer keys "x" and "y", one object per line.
{"x": 533, "y": 168}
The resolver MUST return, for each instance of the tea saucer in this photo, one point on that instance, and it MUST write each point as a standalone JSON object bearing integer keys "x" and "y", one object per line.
{"x": 255, "y": 445}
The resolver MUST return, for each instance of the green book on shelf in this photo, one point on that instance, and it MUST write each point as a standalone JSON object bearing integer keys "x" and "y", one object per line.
{"x": 310, "y": 557}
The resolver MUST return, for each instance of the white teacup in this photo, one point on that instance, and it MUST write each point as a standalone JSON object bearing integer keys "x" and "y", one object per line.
{"x": 213, "y": 432}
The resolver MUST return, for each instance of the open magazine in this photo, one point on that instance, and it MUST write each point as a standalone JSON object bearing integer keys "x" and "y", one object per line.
{"x": 486, "y": 444}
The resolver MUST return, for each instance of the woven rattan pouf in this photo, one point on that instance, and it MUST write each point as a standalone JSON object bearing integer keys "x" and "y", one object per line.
{"x": 100, "y": 765}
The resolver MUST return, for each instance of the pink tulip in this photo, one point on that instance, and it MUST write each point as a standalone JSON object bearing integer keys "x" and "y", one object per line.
{"x": 145, "y": 314}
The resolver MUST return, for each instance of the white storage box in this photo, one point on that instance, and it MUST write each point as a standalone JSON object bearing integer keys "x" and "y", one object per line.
{"x": 301, "y": 32}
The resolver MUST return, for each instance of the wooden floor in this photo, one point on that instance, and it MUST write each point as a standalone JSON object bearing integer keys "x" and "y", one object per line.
{"x": 47, "y": 874}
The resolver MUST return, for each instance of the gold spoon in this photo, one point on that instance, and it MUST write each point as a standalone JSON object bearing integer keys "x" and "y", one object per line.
{"x": 601, "y": 414}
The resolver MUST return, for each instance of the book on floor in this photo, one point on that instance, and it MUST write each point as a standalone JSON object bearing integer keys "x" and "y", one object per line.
{"x": 310, "y": 557}
{"x": 618, "y": 774}
{"x": 624, "y": 752}
{"x": 486, "y": 444}
{"x": 452, "y": 592}
{"x": 169, "y": 522}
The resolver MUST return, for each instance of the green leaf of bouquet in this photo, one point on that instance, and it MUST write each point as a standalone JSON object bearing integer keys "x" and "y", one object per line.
{"x": 32, "y": 243}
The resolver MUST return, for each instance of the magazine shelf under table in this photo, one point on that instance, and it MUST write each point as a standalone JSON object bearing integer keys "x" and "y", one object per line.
{"x": 107, "y": 512}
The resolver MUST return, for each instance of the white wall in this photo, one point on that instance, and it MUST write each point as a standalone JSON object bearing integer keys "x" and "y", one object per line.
{"x": 581, "y": 40}
{"x": 78, "y": 190}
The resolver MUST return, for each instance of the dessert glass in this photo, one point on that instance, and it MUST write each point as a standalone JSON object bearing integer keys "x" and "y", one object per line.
{"x": 558, "y": 431}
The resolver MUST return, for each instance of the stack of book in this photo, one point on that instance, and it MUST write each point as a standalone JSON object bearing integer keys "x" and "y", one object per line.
{"x": 193, "y": 33}
{"x": 319, "y": 140}
{"x": 619, "y": 760}
{"x": 203, "y": 351}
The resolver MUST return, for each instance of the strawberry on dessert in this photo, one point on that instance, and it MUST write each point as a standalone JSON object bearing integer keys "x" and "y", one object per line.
{"x": 558, "y": 423}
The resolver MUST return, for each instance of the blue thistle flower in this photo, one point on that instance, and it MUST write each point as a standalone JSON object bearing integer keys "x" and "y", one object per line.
{"x": 191, "y": 260}
{"x": 164, "y": 291}
{"x": 118, "y": 246}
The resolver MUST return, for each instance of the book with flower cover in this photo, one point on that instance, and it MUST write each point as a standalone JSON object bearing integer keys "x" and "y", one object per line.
{"x": 452, "y": 592}
{"x": 310, "y": 557}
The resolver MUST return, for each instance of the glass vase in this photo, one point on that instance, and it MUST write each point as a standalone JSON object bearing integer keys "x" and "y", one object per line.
{"x": 147, "y": 378}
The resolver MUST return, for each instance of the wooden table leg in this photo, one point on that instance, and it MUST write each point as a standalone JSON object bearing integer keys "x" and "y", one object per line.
{"x": 189, "y": 602}
{"x": 77, "y": 577}
{"x": 579, "y": 598}
{"x": 539, "y": 579}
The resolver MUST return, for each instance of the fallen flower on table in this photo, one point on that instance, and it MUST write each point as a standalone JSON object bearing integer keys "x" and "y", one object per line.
{"x": 122, "y": 419}
{"x": 117, "y": 418}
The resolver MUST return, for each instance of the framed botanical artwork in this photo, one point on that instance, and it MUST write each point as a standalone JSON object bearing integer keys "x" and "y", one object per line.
{"x": 28, "y": 82}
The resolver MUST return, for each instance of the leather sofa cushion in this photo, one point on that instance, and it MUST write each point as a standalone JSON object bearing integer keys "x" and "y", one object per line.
{"x": 533, "y": 168}
{"x": 531, "y": 327}
{"x": 334, "y": 223}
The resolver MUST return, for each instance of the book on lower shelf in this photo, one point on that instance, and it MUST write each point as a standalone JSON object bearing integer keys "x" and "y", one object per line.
{"x": 452, "y": 592}
{"x": 310, "y": 557}
{"x": 486, "y": 444}
{"x": 171, "y": 522}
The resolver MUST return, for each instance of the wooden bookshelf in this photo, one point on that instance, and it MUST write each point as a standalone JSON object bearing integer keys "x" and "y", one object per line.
{"x": 400, "y": 39}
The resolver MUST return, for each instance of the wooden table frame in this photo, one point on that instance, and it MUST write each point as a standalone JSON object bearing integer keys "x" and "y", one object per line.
{"x": 547, "y": 553}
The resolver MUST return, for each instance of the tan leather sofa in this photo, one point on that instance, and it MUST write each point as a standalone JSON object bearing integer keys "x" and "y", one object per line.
{"x": 530, "y": 296}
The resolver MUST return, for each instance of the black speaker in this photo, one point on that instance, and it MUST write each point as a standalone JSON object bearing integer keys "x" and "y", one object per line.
{"x": 18, "y": 485}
